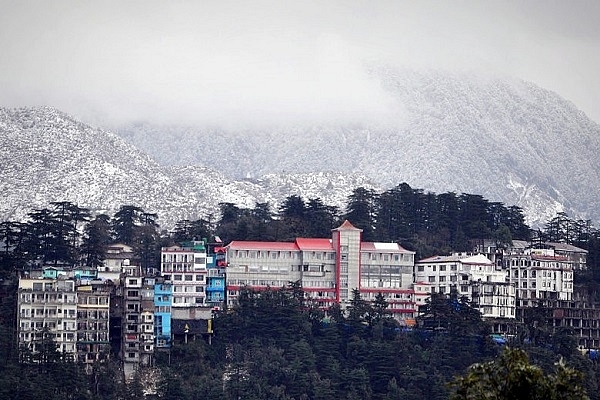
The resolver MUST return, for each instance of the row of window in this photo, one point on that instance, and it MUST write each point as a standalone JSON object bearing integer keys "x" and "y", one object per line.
{"x": 41, "y": 312}
{"x": 183, "y": 258}
{"x": 48, "y": 298}
{"x": 434, "y": 268}
{"x": 188, "y": 289}
{"x": 188, "y": 300}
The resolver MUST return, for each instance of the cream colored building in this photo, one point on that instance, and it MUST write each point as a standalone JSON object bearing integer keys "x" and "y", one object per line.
{"x": 47, "y": 306}
{"x": 328, "y": 269}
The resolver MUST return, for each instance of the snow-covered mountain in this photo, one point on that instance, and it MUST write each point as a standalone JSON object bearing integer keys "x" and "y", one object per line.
{"x": 47, "y": 155}
{"x": 504, "y": 138}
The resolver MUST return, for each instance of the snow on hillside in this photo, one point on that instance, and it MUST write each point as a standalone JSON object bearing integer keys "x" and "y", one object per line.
{"x": 46, "y": 156}
{"x": 504, "y": 138}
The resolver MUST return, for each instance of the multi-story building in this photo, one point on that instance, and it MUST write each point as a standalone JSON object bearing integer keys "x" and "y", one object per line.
{"x": 131, "y": 319}
{"x": 216, "y": 264}
{"x": 163, "y": 292}
{"x": 93, "y": 311}
{"x": 147, "y": 319}
{"x": 328, "y": 269}
{"x": 539, "y": 274}
{"x": 473, "y": 276}
{"x": 47, "y": 306}
{"x": 185, "y": 267}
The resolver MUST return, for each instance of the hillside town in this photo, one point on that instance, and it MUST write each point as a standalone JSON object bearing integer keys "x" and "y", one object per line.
{"x": 121, "y": 309}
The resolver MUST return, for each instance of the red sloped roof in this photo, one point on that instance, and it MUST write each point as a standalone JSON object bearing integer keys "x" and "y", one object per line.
{"x": 314, "y": 244}
{"x": 347, "y": 226}
{"x": 253, "y": 245}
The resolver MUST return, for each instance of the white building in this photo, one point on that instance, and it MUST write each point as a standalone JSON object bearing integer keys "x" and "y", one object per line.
{"x": 185, "y": 267}
{"x": 47, "y": 305}
{"x": 538, "y": 274}
{"x": 473, "y": 276}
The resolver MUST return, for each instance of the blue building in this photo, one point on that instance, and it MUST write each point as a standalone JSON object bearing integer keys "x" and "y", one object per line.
{"x": 163, "y": 295}
{"x": 215, "y": 281}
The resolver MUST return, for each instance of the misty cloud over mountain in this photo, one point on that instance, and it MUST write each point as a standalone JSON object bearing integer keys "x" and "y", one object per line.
{"x": 501, "y": 137}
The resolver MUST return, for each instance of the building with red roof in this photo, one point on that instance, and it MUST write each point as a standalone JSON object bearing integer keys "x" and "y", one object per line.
{"x": 328, "y": 268}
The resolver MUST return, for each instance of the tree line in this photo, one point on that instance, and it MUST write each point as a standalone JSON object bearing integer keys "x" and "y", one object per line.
{"x": 428, "y": 223}
{"x": 277, "y": 345}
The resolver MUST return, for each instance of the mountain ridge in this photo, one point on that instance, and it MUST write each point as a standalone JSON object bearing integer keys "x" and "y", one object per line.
{"x": 505, "y": 139}
{"x": 501, "y": 137}
{"x": 47, "y": 155}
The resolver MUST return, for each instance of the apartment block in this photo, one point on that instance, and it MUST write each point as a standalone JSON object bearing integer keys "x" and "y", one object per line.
{"x": 186, "y": 267}
{"x": 474, "y": 276}
{"x": 163, "y": 293}
{"x": 93, "y": 310}
{"x": 47, "y": 306}
{"x": 216, "y": 264}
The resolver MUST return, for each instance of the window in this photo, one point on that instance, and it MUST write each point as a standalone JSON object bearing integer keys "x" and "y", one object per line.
{"x": 199, "y": 289}
{"x": 442, "y": 268}
{"x": 200, "y": 278}
{"x": 177, "y": 277}
{"x": 200, "y": 260}
{"x": 420, "y": 268}
{"x": 133, "y": 281}
{"x": 189, "y": 277}
{"x": 432, "y": 279}
{"x": 442, "y": 279}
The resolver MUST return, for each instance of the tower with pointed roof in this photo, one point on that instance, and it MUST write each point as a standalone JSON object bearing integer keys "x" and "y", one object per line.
{"x": 346, "y": 241}
{"x": 327, "y": 268}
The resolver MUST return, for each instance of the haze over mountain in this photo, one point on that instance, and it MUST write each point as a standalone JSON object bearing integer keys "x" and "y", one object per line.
{"x": 501, "y": 137}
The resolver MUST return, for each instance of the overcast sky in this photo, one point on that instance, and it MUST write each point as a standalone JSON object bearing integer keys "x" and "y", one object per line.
{"x": 111, "y": 62}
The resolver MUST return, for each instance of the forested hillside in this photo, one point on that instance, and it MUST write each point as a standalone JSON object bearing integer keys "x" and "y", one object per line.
{"x": 275, "y": 345}
{"x": 425, "y": 222}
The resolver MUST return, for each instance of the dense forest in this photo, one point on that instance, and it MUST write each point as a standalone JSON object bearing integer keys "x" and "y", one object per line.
{"x": 428, "y": 223}
{"x": 275, "y": 345}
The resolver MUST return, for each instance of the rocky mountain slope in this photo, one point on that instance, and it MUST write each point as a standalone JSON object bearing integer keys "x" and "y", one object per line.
{"x": 47, "y": 155}
{"x": 506, "y": 139}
